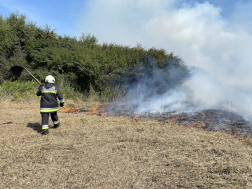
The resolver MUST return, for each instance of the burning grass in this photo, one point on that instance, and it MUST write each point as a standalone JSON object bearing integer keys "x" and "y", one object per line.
{"x": 71, "y": 109}
{"x": 116, "y": 152}
{"x": 93, "y": 111}
{"x": 207, "y": 120}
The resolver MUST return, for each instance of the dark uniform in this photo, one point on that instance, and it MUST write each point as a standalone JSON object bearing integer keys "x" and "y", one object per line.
{"x": 49, "y": 105}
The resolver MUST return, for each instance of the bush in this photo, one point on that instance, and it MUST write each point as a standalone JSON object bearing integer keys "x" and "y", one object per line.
{"x": 81, "y": 66}
{"x": 18, "y": 90}
{"x": 21, "y": 90}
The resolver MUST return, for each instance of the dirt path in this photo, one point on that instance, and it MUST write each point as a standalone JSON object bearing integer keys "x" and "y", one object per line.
{"x": 89, "y": 151}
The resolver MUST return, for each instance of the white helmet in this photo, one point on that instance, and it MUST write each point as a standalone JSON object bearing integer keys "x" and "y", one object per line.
{"x": 50, "y": 79}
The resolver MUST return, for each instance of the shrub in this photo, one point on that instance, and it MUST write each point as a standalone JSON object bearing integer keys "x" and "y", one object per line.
{"x": 18, "y": 90}
{"x": 82, "y": 66}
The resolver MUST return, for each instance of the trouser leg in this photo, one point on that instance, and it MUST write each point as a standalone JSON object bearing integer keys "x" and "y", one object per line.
{"x": 55, "y": 119}
{"x": 45, "y": 119}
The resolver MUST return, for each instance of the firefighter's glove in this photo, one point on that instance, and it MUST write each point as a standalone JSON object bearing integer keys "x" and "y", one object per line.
{"x": 40, "y": 87}
{"x": 62, "y": 104}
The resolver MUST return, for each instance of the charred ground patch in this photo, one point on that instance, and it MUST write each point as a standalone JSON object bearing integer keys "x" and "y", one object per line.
{"x": 209, "y": 119}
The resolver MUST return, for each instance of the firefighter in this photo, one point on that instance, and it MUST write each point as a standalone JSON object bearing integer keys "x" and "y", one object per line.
{"x": 49, "y": 104}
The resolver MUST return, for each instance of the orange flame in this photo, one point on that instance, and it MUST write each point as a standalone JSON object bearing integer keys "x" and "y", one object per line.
{"x": 173, "y": 121}
{"x": 193, "y": 125}
{"x": 70, "y": 110}
{"x": 203, "y": 126}
{"x": 137, "y": 117}
{"x": 234, "y": 132}
{"x": 96, "y": 109}
{"x": 187, "y": 125}
{"x": 93, "y": 111}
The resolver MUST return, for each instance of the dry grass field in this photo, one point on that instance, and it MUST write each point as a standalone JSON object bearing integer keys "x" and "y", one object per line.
{"x": 89, "y": 151}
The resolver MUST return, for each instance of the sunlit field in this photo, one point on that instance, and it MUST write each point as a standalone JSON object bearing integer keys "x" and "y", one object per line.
{"x": 90, "y": 151}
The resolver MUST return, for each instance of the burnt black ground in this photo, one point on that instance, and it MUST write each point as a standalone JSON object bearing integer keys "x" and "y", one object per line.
{"x": 208, "y": 119}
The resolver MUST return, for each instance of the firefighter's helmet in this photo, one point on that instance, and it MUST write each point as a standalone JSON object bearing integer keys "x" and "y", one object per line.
{"x": 50, "y": 79}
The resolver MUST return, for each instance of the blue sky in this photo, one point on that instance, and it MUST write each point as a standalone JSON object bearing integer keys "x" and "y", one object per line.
{"x": 65, "y": 15}
{"x": 214, "y": 35}
{"x": 60, "y": 15}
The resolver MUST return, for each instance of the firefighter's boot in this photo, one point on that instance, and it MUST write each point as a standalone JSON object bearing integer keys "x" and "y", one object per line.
{"x": 45, "y": 131}
{"x": 56, "y": 124}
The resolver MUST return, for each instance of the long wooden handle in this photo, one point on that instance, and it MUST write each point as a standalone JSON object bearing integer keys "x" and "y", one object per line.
{"x": 32, "y": 75}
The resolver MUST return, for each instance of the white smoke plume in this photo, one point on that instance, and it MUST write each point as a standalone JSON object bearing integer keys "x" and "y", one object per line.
{"x": 220, "y": 47}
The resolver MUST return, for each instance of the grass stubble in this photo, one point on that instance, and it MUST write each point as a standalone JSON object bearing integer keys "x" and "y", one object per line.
{"x": 89, "y": 151}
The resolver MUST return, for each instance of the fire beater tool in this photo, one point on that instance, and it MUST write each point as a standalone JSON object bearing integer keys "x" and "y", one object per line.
{"x": 17, "y": 70}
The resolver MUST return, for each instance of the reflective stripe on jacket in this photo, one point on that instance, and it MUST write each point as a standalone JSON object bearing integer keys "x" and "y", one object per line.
{"x": 49, "y": 109}
{"x": 49, "y": 96}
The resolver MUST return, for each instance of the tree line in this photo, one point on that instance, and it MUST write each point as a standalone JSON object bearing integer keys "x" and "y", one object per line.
{"x": 81, "y": 62}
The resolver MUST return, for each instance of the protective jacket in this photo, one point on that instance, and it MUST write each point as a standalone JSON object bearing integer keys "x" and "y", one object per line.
{"x": 49, "y": 95}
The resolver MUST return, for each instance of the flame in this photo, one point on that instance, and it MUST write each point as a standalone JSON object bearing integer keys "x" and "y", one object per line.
{"x": 137, "y": 117}
{"x": 96, "y": 109}
{"x": 93, "y": 111}
{"x": 173, "y": 121}
{"x": 70, "y": 110}
{"x": 191, "y": 126}
{"x": 203, "y": 126}
{"x": 234, "y": 132}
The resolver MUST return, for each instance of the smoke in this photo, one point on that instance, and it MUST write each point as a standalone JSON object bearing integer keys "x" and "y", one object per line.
{"x": 217, "y": 48}
{"x": 211, "y": 93}
{"x": 155, "y": 88}
{"x": 168, "y": 91}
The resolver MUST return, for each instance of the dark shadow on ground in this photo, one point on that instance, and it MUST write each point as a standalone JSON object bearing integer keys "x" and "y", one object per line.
{"x": 35, "y": 127}
{"x": 7, "y": 123}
